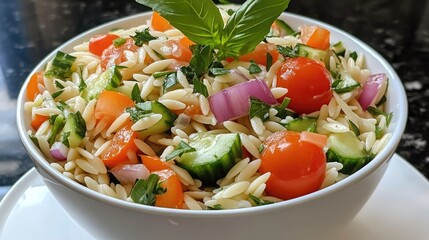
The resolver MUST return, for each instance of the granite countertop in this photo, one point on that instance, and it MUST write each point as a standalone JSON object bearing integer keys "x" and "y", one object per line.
{"x": 398, "y": 30}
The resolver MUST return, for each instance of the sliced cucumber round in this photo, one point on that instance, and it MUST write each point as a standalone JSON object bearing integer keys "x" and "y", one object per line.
{"x": 215, "y": 155}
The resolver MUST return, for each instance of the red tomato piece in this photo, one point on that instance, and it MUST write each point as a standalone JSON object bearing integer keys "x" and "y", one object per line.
{"x": 98, "y": 43}
{"x": 259, "y": 55}
{"x": 315, "y": 36}
{"x": 33, "y": 86}
{"x": 179, "y": 51}
{"x": 297, "y": 167}
{"x": 308, "y": 83}
{"x": 159, "y": 23}
{"x": 115, "y": 55}
{"x": 110, "y": 105}
{"x": 173, "y": 197}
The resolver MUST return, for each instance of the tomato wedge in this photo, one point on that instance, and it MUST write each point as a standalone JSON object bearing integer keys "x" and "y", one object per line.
{"x": 315, "y": 36}
{"x": 259, "y": 55}
{"x": 173, "y": 197}
{"x": 297, "y": 167}
{"x": 33, "y": 86}
{"x": 159, "y": 23}
{"x": 115, "y": 55}
{"x": 38, "y": 120}
{"x": 153, "y": 163}
{"x": 110, "y": 105}
{"x": 122, "y": 143}
{"x": 99, "y": 43}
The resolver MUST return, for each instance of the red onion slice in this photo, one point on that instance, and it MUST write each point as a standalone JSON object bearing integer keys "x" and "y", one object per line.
{"x": 233, "y": 102}
{"x": 129, "y": 173}
{"x": 373, "y": 89}
{"x": 59, "y": 151}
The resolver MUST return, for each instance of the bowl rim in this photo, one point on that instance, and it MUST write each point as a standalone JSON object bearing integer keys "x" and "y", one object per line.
{"x": 382, "y": 157}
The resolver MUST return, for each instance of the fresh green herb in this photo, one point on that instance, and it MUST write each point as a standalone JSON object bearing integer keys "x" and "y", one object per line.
{"x": 259, "y": 202}
{"x": 34, "y": 140}
{"x": 287, "y": 51}
{"x": 61, "y": 66}
{"x": 261, "y": 148}
{"x": 282, "y": 112}
{"x": 82, "y": 84}
{"x": 259, "y": 109}
{"x": 161, "y": 74}
{"x": 202, "y": 58}
{"x": 59, "y": 85}
{"x": 382, "y": 100}
{"x": 62, "y": 105}
{"x": 245, "y": 28}
{"x": 354, "y": 128}
{"x": 219, "y": 71}
{"x": 139, "y": 111}
{"x": 135, "y": 94}
{"x": 188, "y": 72}
{"x": 56, "y": 94}
{"x": 376, "y": 111}
{"x": 354, "y": 55}
{"x": 116, "y": 77}
{"x": 65, "y": 139}
{"x": 269, "y": 61}
{"x": 230, "y": 11}
{"x": 145, "y": 191}
{"x": 199, "y": 87}
{"x": 58, "y": 125}
{"x": 344, "y": 83}
{"x": 142, "y": 37}
{"x": 378, "y": 132}
{"x": 215, "y": 207}
{"x": 181, "y": 149}
{"x": 52, "y": 119}
{"x": 169, "y": 81}
{"x": 254, "y": 68}
{"x": 119, "y": 42}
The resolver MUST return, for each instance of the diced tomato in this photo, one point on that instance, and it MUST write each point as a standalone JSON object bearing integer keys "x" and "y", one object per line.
{"x": 173, "y": 197}
{"x": 38, "y": 120}
{"x": 33, "y": 86}
{"x": 315, "y": 36}
{"x": 122, "y": 143}
{"x": 153, "y": 163}
{"x": 99, "y": 43}
{"x": 179, "y": 51}
{"x": 159, "y": 23}
{"x": 259, "y": 55}
{"x": 110, "y": 105}
{"x": 115, "y": 55}
{"x": 190, "y": 110}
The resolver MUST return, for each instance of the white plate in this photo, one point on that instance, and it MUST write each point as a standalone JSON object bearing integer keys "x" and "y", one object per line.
{"x": 398, "y": 210}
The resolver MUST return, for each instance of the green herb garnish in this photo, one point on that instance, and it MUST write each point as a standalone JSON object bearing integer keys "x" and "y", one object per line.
{"x": 254, "y": 68}
{"x": 259, "y": 202}
{"x": 199, "y": 87}
{"x": 119, "y": 42}
{"x": 219, "y": 71}
{"x": 181, "y": 149}
{"x": 143, "y": 37}
{"x": 135, "y": 94}
{"x": 259, "y": 109}
{"x": 287, "y": 51}
{"x": 145, "y": 191}
{"x": 169, "y": 81}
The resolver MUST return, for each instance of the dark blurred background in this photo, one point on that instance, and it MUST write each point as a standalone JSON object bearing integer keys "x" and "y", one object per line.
{"x": 30, "y": 29}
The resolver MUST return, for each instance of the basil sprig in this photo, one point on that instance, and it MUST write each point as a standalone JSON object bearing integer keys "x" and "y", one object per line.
{"x": 202, "y": 23}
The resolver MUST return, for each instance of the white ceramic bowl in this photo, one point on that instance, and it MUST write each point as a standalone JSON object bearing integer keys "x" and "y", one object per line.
{"x": 306, "y": 217}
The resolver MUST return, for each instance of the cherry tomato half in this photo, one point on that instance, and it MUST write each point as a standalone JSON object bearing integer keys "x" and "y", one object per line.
{"x": 297, "y": 167}
{"x": 308, "y": 83}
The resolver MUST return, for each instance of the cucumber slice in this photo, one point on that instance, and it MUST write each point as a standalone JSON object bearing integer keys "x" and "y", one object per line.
{"x": 302, "y": 124}
{"x": 283, "y": 29}
{"x": 109, "y": 79}
{"x": 215, "y": 155}
{"x": 313, "y": 53}
{"x": 152, "y": 107}
{"x": 74, "y": 130}
{"x": 347, "y": 149}
{"x": 339, "y": 48}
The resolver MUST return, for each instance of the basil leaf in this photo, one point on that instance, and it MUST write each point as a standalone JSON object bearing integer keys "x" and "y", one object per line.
{"x": 169, "y": 81}
{"x": 269, "y": 61}
{"x": 139, "y": 111}
{"x": 215, "y": 207}
{"x": 181, "y": 149}
{"x": 199, "y": 87}
{"x": 161, "y": 74}
{"x": 202, "y": 58}
{"x": 259, "y": 109}
{"x": 376, "y": 111}
{"x": 34, "y": 140}
{"x": 135, "y": 94}
{"x": 249, "y": 25}
{"x": 287, "y": 51}
{"x": 142, "y": 37}
{"x": 56, "y": 94}
{"x": 145, "y": 191}
{"x": 219, "y": 71}
{"x": 354, "y": 55}
{"x": 59, "y": 85}
{"x": 200, "y": 20}
{"x": 354, "y": 128}
{"x": 254, "y": 68}
{"x": 259, "y": 202}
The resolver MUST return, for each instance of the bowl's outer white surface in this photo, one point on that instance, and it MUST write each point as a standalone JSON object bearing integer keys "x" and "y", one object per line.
{"x": 307, "y": 217}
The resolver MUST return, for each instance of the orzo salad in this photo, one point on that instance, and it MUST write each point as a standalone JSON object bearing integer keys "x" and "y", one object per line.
{"x": 198, "y": 110}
